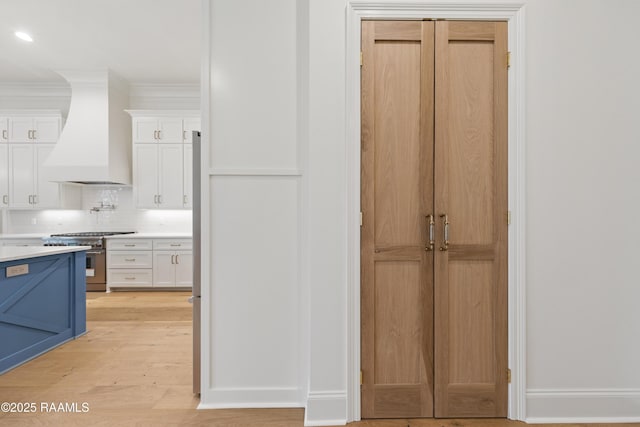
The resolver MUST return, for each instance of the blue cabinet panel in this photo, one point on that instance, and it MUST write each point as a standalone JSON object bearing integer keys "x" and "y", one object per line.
{"x": 42, "y": 309}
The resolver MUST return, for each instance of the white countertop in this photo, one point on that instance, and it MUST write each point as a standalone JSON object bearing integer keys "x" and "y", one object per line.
{"x": 151, "y": 236}
{"x": 10, "y": 253}
{"x": 24, "y": 236}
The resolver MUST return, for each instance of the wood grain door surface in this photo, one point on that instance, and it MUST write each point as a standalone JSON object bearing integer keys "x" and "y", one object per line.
{"x": 434, "y": 142}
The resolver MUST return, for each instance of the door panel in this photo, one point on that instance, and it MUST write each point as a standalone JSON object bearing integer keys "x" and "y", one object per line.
{"x": 434, "y": 141}
{"x": 398, "y": 218}
{"x": 397, "y": 186}
{"x": 471, "y": 188}
{"x": 145, "y": 179}
{"x": 19, "y": 129}
{"x": 187, "y": 176}
{"x": 21, "y": 175}
{"x": 47, "y": 129}
{"x": 4, "y": 175}
{"x": 170, "y": 176}
{"x": 47, "y": 192}
{"x": 145, "y": 130}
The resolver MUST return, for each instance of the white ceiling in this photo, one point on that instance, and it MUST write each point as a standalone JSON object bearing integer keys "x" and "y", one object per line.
{"x": 143, "y": 41}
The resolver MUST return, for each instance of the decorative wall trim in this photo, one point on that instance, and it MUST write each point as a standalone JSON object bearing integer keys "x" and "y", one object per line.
{"x": 612, "y": 405}
{"x": 254, "y": 172}
{"x": 325, "y": 408}
{"x": 250, "y": 397}
{"x": 513, "y": 13}
{"x": 205, "y": 209}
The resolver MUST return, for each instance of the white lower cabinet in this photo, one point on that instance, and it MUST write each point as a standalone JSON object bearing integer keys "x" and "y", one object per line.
{"x": 149, "y": 263}
{"x": 173, "y": 269}
{"x": 129, "y": 277}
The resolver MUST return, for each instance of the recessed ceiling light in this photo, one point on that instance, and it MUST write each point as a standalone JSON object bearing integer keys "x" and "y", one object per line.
{"x": 23, "y": 36}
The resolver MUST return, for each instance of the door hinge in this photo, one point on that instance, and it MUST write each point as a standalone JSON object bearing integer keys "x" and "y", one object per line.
{"x": 360, "y": 219}
{"x": 508, "y": 59}
{"x": 360, "y": 377}
{"x": 508, "y": 217}
{"x": 361, "y": 60}
{"x": 509, "y": 376}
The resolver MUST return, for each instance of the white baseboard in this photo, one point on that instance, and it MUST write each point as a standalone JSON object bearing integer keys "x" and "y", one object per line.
{"x": 545, "y": 406}
{"x": 326, "y": 409}
{"x": 277, "y": 397}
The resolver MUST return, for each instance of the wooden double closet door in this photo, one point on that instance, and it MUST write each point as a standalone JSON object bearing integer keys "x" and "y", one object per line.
{"x": 434, "y": 219}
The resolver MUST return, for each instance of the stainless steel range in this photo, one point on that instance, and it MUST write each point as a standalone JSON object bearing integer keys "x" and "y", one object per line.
{"x": 96, "y": 256}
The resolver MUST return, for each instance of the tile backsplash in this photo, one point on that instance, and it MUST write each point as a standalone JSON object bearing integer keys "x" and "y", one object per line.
{"x": 103, "y": 209}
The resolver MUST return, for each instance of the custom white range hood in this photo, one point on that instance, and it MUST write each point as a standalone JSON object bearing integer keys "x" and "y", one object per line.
{"x": 95, "y": 143}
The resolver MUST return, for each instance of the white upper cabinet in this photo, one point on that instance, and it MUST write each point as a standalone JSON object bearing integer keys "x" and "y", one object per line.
{"x": 167, "y": 130}
{"x": 47, "y": 193}
{"x": 34, "y": 129}
{"x": 27, "y": 137}
{"x": 29, "y": 187}
{"x": 145, "y": 175}
{"x": 158, "y": 176}
{"x": 190, "y": 125}
{"x": 170, "y": 176}
{"x": 187, "y": 181}
{"x": 22, "y": 175}
{"x": 162, "y": 155}
{"x": 4, "y": 175}
{"x": 4, "y": 129}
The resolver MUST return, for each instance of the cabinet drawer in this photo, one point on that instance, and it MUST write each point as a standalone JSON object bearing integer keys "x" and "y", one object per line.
{"x": 129, "y": 244}
{"x": 173, "y": 245}
{"x": 133, "y": 259}
{"x": 130, "y": 277}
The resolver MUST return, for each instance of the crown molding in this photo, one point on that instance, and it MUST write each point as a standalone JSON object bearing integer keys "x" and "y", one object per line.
{"x": 22, "y": 89}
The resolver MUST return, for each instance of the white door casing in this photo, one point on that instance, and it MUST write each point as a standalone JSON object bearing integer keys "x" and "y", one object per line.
{"x": 513, "y": 13}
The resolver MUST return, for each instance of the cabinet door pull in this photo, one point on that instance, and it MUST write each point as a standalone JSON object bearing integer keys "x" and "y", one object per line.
{"x": 159, "y": 199}
{"x": 4, "y": 134}
{"x": 30, "y": 199}
{"x": 184, "y": 135}
{"x": 172, "y": 259}
{"x": 159, "y": 134}
{"x": 130, "y": 259}
{"x": 130, "y": 245}
{"x": 5, "y": 199}
{"x": 29, "y": 134}
{"x": 34, "y": 134}
{"x": 35, "y": 199}
{"x": 176, "y": 244}
{"x": 129, "y": 278}
{"x": 177, "y": 259}
{"x": 184, "y": 199}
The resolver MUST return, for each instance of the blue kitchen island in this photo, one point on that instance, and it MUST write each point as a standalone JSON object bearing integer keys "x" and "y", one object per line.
{"x": 42, "y": 300}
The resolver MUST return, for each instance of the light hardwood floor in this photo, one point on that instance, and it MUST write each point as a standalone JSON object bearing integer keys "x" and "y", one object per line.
{"x": 133, "y": 368}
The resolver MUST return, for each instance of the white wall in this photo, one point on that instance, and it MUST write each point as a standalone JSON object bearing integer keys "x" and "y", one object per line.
{"x": 582, "y": 146}
{"x": 252, "y": 182}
